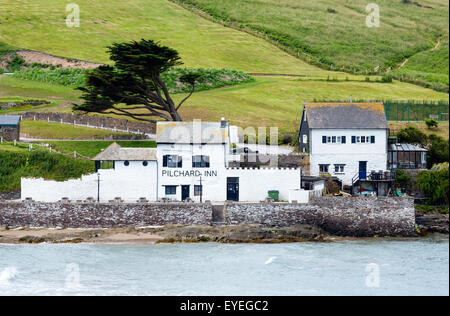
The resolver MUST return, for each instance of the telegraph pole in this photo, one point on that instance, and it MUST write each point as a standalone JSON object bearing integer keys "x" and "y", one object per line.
{"x": 98, "y": 187}
{"x": 201, "y": 190}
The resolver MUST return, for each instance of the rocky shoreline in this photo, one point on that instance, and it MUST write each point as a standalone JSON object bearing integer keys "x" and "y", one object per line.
{"x": 253, "y": 233}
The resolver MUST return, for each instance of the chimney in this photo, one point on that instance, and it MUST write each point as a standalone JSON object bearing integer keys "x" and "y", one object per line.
{"x": 223, "y": 123}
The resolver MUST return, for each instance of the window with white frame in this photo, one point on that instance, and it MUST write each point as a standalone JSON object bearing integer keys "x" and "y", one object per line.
{"x": 305, "y": 139}
{"x": 334, "y": 139}
{"x": 363, "y": 139}
{"x": 171, "y": 189}
{"x": 324, "y": 168}
{"x": 339, "y": 168}
{"x": 172, "y": 161}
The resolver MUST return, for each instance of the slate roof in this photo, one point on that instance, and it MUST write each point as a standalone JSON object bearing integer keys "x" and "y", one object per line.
{"x": 346, "y": 115}
{"x": 9, "y": 120}
{"x": 115, "y": 152}
{"x": 191, "y": 133}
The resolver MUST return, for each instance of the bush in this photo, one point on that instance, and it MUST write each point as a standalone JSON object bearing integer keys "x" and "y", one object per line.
{"x": 431, "y": 123}
{"x": 412, "y": 135}
{"x": 17, "y": 164}
{"x": 286, "y": 139}
{"x": 438, "y": 150}
{"x": 209, "y": 78}
{"x": 386, "y": 78}
{"x": 435, "y": 186}
{"x": 403, "y": 179}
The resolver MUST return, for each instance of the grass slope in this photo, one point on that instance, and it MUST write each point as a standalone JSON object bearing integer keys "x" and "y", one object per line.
{"x": 40, "y": 25}
{"x": 17, "y": 162}
{"x": 333, "y": 33}
{"x": 270, "y": 101}
{"x": 51, "y": 130}
{"x": 431, "y": 66}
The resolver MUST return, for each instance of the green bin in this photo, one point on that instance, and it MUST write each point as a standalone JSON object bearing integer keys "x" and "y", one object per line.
{"x": 274, "y": 195}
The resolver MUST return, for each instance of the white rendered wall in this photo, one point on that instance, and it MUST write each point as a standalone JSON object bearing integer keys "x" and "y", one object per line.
{"x": 348, "y": 153}
{"x": 127, "y": 182}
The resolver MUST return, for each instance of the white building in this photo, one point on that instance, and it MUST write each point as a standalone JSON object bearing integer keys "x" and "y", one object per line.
{"x": 189, "y": 163}
{"x": 346, "y": 140}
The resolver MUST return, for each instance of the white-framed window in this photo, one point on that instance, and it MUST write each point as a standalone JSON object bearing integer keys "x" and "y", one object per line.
{"x": 333, "y": 139}
{"x": 339, "y": 168}
{"x": 305, "y": 139}
{"x": 171, "y": 190}
{"x": 363, "y": 139}
{"x": 324, "y": 168}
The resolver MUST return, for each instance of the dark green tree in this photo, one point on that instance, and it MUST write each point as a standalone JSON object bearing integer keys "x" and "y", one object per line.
{"x": 135, "y": 81}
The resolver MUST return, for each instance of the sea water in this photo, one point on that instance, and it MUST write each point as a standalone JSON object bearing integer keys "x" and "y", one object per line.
{"x": 362, "y": 267}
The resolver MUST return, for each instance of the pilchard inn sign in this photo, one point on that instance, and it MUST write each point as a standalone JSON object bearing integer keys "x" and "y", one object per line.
{"x": 189, "y": 173}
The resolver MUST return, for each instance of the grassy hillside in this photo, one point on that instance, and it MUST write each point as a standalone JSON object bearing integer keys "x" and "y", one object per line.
{"x": 17, "y": 162}
{"x": 429, "y": 67}
{"x": 333, "y": 33}
{"x": 270, "y": 101}
{"x": 40, "y": 25}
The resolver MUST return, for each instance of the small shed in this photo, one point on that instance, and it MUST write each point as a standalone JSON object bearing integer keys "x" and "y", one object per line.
{"x": 10, "y": 127}
{"x": 407, "y": 156}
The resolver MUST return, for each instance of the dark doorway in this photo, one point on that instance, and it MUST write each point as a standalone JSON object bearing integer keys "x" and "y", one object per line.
{"x": 233, "y": 189}
{"x": 363, "y": 170}
{"x": 185, "y": 192}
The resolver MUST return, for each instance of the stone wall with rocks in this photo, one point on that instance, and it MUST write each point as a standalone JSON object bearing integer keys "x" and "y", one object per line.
{"x": 342, "y": 216}
{"x": 92, "y": 120}
{"x": 10, "y": 133}
{"x": 105, "y": 215}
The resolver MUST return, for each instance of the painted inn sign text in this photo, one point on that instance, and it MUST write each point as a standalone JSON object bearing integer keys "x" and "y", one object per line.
{"x": 189, "y": 173}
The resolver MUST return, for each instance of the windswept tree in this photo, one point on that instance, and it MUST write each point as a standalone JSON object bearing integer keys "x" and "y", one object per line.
{"x": 133, "y": 86}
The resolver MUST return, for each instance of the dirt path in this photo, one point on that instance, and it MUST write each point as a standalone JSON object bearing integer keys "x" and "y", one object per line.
{"x": 31, "y": 57}
{"x": 438, "y": 43}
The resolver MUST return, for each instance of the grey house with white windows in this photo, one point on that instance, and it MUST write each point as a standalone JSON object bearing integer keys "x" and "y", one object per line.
{"x": 10, "y": 127}
{"x": 345, "y": 140}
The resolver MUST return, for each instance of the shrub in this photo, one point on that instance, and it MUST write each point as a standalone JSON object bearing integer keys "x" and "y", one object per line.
{"x": 412, "y": 135}
{"x": 434, "y": 185}
{"x": 17, "y": 164}
{"x": 438, "y": 150}
{"x": 403, "y": 179}
{"x": 332, "y": 187}
{"x": 286, "y": 139}
{"x": 431, "y": 123}
{"x": 386, "y": 78}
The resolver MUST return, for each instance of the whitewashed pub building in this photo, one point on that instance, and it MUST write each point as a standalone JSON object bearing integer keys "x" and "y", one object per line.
{"x": 190, "y": 163}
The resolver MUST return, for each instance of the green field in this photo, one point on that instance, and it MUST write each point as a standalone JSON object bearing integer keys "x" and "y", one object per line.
{"x": 93, "y": 148}
{"x": 51, "y": 130}
{"x": 270, "y": 101}
{"x": 333, "y": 33}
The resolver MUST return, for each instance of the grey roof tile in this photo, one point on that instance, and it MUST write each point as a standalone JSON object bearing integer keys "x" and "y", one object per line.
{"x": 346, "y": 115}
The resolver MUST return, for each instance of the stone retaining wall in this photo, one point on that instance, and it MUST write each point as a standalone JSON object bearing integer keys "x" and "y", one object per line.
{"x": 92, "y": 215}
{"x": 91, "y": 120}
{"x": 343, "y": 216}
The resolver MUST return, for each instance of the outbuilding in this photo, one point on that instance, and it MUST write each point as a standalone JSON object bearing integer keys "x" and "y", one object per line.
{"x": 10, "y": 127}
